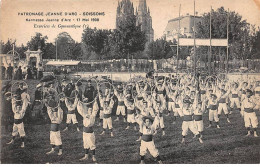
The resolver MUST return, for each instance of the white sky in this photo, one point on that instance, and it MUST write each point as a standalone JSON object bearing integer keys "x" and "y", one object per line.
{"x": 15, "y": 27}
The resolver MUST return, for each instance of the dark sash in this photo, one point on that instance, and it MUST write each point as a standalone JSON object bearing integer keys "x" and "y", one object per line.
{"x": 187, "y": 118}
{"x": 234, "y": 95}
{"x": 88, "y": 129}
{"x": 107, "y": 115}
{"x": 159, "y": 92}
{"x": 120, "y": 103}
{"x": 249, "y": 110}
{"x": 147, "y": 138}
{"x": 71, "y": 112}
{"x": 171, "y": 100}
{"x": 130, "y": 111}
{"x": 197, "y": 117}
{"x": 55, "y": 127}
{"x": 203, "y": 92}
{"x": 222, "y": 100}
{"x": 18, "y": 121}
{"x": 213, "y": 107}
{"x": 177, "y": 106}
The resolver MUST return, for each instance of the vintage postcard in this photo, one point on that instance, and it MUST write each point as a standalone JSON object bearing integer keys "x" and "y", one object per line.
{"x": 130, "y": 81}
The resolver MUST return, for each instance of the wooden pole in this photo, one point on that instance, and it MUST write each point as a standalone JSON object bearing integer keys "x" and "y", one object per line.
{"x": 194, "y": 40}
{"x": 56, "y": 49}
{"x": 210, "y": 49}
{"x": 227, "y": 37}
{"x": 178, "y": 39}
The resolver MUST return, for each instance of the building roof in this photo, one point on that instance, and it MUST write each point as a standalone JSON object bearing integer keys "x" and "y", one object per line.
{"x": 63, "y": 63}
{"x": 178, "y": 18}
{"x": 173, "y": 23}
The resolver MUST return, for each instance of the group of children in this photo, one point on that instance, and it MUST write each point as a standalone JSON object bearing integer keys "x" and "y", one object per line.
{"x": 144, "y": 104}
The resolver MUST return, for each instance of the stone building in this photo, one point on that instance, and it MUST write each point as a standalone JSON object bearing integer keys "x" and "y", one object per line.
{"x": 125, "y": 10}
{"x": 186, "y": 27}
{"x": 144, "y": 19}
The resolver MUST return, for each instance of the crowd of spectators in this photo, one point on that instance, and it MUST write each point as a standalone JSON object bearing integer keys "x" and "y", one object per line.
{"x": 21, "y": 73}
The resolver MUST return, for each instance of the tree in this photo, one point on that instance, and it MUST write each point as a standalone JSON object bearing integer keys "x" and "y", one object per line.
{"x": 6, "y": 47}
{"x": 239, "y": 33}
{"x": 65, "y": 45}
{"x": 37, "y": 41}
{"x": 127, "y": 39}
{"x": 96, "y": 40}
{"x": 255, "y": 43}
{"x": 50, "y": 51}
{"x": 131, "y": 38}
{"x": 160, "y": 49}
{"x": 76, "y": 52}
{"x": 21, "y": 50}
{"x": 86, "y": 52}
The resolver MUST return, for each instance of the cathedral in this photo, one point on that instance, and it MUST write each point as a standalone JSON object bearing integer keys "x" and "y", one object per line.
{"x": 125, "y": 10}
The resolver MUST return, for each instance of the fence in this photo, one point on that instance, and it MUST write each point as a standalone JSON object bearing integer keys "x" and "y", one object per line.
{"x": 167, "y": 65}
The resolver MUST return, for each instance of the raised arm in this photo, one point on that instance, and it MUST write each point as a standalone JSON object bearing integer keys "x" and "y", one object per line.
{"x": 155, "y": 124}
{"x": 115, "y": 91}
{"x": 60, "y": 115}
{"x": 80, "y": 109}
{"x": 137, "y": 88}
{"x": 75, "y": 102}
{"x": 14, "y": 105}
{"x": 164, "y": 83}
{"x": 111, "y": 104}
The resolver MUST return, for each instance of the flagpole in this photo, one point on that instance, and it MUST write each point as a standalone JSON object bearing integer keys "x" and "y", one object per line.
{"x": 56, "y": 49}
{"x": 194, "y": 40}
{"x": 178, "y": 39}
{"x": 227, "y": 37}
{"x": 210, "y": 48}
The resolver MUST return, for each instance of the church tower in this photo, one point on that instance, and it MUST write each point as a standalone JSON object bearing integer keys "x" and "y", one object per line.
{"x": 125, "y": 10}
{"x": 144, "y": 19}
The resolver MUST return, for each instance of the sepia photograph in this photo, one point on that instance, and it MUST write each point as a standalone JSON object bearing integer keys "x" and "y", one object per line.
{"x": 130, "y": 82}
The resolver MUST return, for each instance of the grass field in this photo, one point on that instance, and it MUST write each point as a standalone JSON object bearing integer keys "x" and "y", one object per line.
{"x": 226, "y": 145}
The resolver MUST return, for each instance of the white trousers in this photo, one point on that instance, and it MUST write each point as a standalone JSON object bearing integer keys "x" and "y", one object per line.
{"x": 18, "y": 129}
{"x": 89, "y": 141}
{"x": 107, "y": 123}
{"x": 199, "y": 125}
{"x": 213, "y": 115}
{"x": 234, "y": 101}
{"x": 71, "y": 118}
{"x": 55, "y": 138}
{"x": 150, "y": 147}
{"x": 120, "y": 109}
{"x": 131, "y": 118}
{"x": 186, "y": 125}
{"x": 250, "y": 120}
{"x": 222, "y": 106}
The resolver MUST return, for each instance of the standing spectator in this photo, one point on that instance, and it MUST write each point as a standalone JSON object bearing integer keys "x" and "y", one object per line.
{"x": 37, "y": 95}
{"x": 34, "y": 70}
{"x": 24, "y": 71}
{"x": 68, "y": 70}
{"x": 19, "y": 91}
{"x": 55, "y": 71}
{"x": 19, "y": 73}
{"x": 64, "y": 70}
{"x": 29, "y": 73}
{"x": 40, "y": 71}
{"x": 15, "y": 73}
{"x": 10, "y": 70}
{"x": 3, "y": 71}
